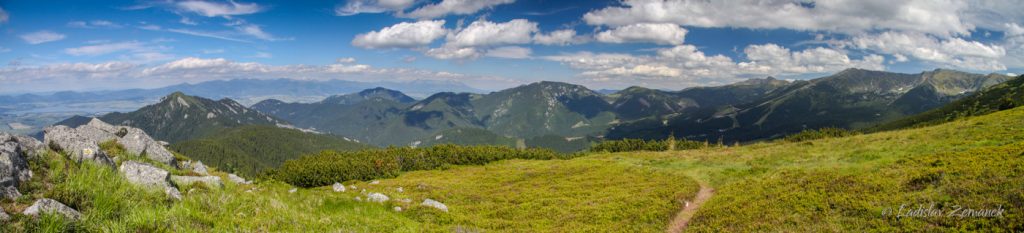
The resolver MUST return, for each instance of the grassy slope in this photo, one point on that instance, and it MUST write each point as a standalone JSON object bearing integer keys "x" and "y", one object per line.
{"x": 250, "y": 149}
{"x": 514, "y": 195}
{"x": 844, "y": 184}
{"x": 839, "y": 184}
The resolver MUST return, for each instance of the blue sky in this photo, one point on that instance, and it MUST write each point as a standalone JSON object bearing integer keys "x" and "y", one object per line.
{"x": 492, "y": 44}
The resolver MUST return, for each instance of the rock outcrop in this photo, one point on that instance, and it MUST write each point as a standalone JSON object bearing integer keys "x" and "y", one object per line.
{"x": 13, "y": 167}
{"x": 150, "y": 176}
{"x": 145, "y": 174}
{"x": 46, "y": 205}
{"x": 338, "y": 187}
{"x": 3, "y": 215}
{"x": 377, "y": 197}
{"x": 79, "y": 148}
{"x": 435, "y": 204}
{"x": 28, "y": 145}
{"x": 82, "y": 142}
{"x": 199, "y": 168}
{"x": 209, "y": 181}
{"x": 238, "y": 179}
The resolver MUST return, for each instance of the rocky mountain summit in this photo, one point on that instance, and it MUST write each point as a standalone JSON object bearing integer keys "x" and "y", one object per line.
{"x": 154, "y": 167}
{"x": 14, "y": 153}
{"x": 82, "y": 143}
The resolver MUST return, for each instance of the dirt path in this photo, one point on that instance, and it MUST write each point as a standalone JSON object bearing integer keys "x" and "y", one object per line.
{"x": 683, "y": 217}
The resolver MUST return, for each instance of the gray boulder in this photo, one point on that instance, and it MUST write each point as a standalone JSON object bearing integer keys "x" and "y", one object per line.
{"x": 377, "y": 197}
{"x": 76, "y": 146}
{"x": 199, "y": 168}
{"x": 28, "y": 145}
{"x": 435, "y": 204}
{"x": 3, "y": 215}
{"x": 134, "y": 140}
{"x": 338, "y": 187}
{"x": 173, "y": 193}
{"x": 209, "y": 181}
{"x": 238, "y": 179}
{"x": 78, "y": 142}
{"x": 9, "y": 192}
{"x": 51, "y": 206}
{"x": 145, "y": 174}
{"x": 13, "y": 169}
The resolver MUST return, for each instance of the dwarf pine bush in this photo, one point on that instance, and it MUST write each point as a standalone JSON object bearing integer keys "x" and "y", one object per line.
{"x": 328, "y": 166}
{"x": 813, "y": 134}
{"x": 628, "y": 144}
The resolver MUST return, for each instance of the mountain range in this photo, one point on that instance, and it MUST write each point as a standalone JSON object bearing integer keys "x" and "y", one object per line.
{"x": 749, "y": 110}
{"x": 851, "y": 99}
{"x": 246, "y": 91}
{"x": 536, "y": 114}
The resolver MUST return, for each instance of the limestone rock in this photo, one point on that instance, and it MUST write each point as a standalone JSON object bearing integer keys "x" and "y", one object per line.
{"x": 377, "y": 197}
{"x": 238, "y": 179}
{"x": 134, "y": 140}
{"x": 9, "y": 192}
{"x": 199, "y": 168}
{"x": 209, "y": 181}
{"x": 436, "y": 204}
{"x": 173, "y": 193}
{"x": 46, "y": 205}
{"x": 3, "y": 215}
{"x": 13, "y": 169}
{"x": 145, "y": 174}
{"x": 28, "y": 145}
{"x": 78, "y": 147}
{"x": 338, "y": 187}
{"x": 82, "y": 142}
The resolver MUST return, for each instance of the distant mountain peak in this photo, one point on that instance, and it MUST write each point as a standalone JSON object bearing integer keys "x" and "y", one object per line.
{"x": 767, "y": 81}
{"x": 378, "y": 93}
{"x": 180, "y": 117}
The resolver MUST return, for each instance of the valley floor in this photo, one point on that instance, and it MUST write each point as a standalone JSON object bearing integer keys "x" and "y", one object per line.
{"x": 856, "y": 183}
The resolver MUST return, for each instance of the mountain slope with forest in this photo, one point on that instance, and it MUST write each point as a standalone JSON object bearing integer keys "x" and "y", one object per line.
{"x": 249, "y": 150}
{"x": 1003, "y": 96}
{"x": 178, "y": 117}
{"x": 851, "y": 99}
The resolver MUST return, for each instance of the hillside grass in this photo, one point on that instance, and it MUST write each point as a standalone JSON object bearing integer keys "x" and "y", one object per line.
{"x": 846, "y": 183}
{"x": 510, "y": 195}
{"x": 578, "y": 195}
{"x": 833, "y": 184}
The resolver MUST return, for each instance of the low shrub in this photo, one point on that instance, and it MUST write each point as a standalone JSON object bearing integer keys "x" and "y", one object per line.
{"x": 628, "y": 144}
{"x": 813, "y": 134}
{"x": 328, "y": 167}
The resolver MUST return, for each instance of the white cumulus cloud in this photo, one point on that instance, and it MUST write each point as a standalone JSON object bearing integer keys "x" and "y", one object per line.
{"x": 559, "y": 37}
{"x": 938, "y": 17}
{"x": 456, "y": 7}
{"x": 402, "y": 35}
{"x": 955, "y": 52}
{"x": 658, "y": 33}
{"x": 684, "y": 65}
{"x": 487, "y": 33}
